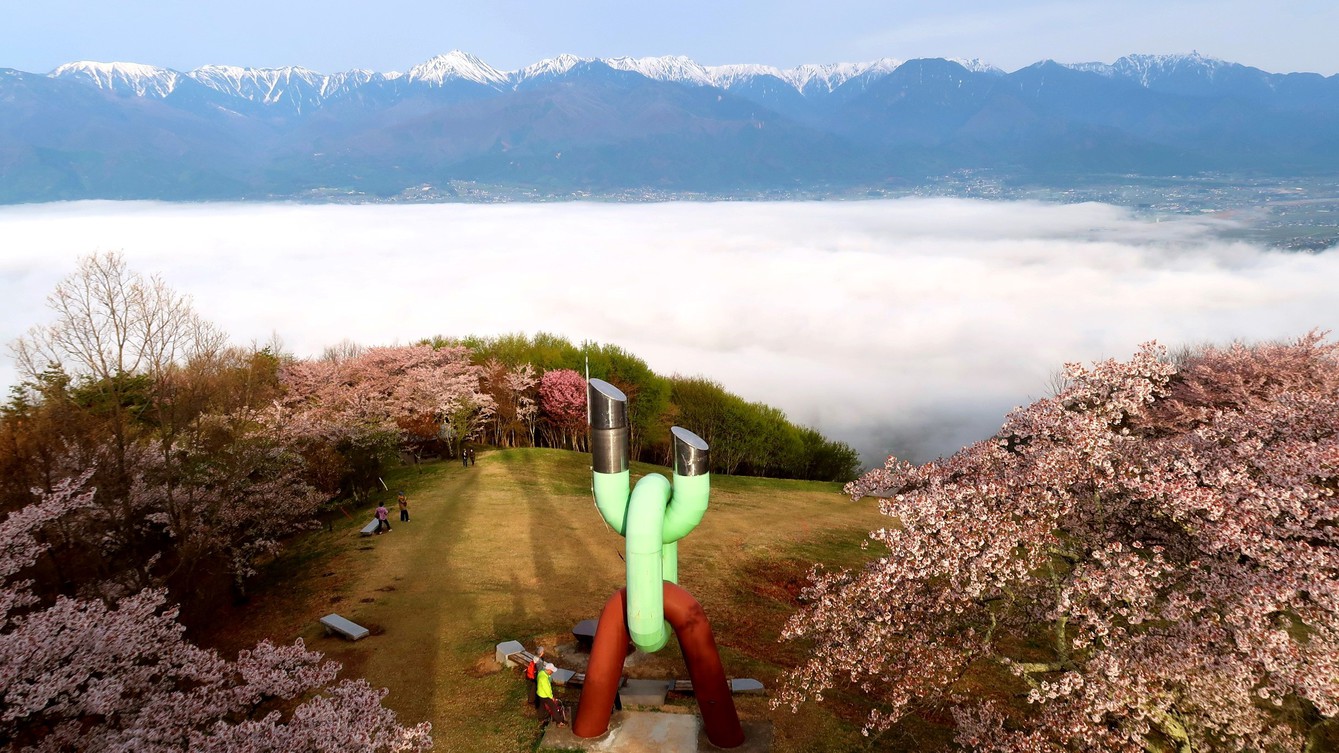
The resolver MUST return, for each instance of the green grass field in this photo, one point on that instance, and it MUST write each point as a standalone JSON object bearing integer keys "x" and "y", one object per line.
{"x": 514, "y": 548}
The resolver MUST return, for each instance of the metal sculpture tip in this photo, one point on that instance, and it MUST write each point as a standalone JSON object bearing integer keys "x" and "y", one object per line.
{"x": 691, "y": 453}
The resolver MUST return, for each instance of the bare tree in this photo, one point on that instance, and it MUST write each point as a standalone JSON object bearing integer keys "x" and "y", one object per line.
{"x": 123, "y": 341}
{"x": 343, "y": 350}
{"x": 112, "y": 322}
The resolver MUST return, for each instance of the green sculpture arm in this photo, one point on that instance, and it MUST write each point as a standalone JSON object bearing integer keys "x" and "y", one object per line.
{"x": 653, "y": 516}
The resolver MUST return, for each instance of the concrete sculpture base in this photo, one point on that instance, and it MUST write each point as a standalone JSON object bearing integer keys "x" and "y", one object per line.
{"x": 655, "y": 732}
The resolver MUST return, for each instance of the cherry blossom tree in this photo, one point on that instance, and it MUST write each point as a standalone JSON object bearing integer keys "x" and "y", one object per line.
{"x": 1148, "y": 560}
{"x": 562, "y": 400}
{"x": 232, "y": 495}
{"x": 521, "y": 383}
{"x": 370, "y": 402}
{"x": 512, "y": 391}
{"x": 88, "y": 675}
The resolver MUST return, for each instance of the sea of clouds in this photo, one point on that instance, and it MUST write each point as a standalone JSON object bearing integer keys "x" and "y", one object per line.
{"x": 904, "y": 326}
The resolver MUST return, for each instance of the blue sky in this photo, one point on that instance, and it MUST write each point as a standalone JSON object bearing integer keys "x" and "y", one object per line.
{"x": 337, "y": 35}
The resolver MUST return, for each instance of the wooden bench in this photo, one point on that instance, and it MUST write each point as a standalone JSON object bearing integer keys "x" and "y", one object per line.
{"x": 520, "y": 658}
{"x": 371, "y": 528}
{"x": 333, "y": 623}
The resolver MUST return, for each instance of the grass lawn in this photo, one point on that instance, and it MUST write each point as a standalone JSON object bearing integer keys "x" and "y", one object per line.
{"x": 513, "y": 548}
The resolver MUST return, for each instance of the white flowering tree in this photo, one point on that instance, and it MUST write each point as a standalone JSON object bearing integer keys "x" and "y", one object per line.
{"x": 1148, "y": 560}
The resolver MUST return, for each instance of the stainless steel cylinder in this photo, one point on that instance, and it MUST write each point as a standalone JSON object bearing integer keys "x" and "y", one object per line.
{"x": 609, "y": 450}
{"x": 608, "y": 405}
{"x": 691, "y": 455}
{"x": 608, "y": 427}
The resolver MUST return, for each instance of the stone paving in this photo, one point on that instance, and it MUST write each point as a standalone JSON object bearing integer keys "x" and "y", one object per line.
{"x": 656, "y": 732}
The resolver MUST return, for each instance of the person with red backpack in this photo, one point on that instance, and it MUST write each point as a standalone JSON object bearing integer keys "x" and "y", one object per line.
{"x": 532, "y": 671}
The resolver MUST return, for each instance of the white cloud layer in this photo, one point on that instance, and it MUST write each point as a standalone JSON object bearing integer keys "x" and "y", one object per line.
{"x": 907, "y": 326}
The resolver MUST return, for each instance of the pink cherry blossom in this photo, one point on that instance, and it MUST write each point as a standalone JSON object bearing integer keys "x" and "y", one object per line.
{"x": 1148, "y": 559}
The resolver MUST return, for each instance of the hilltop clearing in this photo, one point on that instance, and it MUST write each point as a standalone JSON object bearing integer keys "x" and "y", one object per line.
{"x": 513, "y": 548}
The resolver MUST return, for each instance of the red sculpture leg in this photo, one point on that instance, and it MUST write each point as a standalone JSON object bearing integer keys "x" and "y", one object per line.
{"x": 714, "y": 700}
{"x": 605, "y": 671}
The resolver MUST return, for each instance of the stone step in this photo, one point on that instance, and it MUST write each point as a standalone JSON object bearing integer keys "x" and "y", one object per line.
{"x": 644, "y": 692}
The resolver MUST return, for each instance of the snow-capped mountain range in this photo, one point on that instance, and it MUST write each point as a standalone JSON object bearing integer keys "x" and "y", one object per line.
{"x": 268, "y": 85}
{"x": 305, "y": 87}
{"x": 572, "y": 124}
{"x": 272, "y": 85}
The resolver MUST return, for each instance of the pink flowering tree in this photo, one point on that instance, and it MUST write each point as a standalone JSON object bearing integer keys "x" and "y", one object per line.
{"x": 89, "y": 675}
{"x": 562, "y": 400}
{"x": 1148, "y": 560}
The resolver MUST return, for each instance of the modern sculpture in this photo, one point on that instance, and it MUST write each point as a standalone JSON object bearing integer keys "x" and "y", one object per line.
{"x": 651, "y": 518}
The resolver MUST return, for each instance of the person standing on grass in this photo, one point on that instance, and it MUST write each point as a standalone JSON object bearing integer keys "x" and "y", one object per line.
{"x": 471, "y": 456}
{"x": 552, "y": 711}
{"x": 404, "y": 507}
{"x": 464, "y": 457}
{"x": 383, "y": 518}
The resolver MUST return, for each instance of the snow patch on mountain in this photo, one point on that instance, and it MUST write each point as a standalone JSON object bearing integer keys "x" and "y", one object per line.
{"x": 1101, "y": 69}
{"x": 121, "y": 78}
{"x": 806, "y": 79}
{"x": 726, "y": 76}
{"x": 549, "y": 67}
{"x": 977, "y": 65}
{"x": 675, "y": 68}
{"x": 825, "y": 78}
{"x": 296, "y": 87}
{"x": 1145, "y": 69}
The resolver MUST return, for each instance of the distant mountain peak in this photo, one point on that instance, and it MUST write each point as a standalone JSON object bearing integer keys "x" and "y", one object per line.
{"x": 726, "y": 76}
{"x": 829, "y": 76}
{"x": 805, "y": 78}
{"x": 133, "y": 78}
{"x": 456, "y": 65}
{"x": 675, "y": 68}
{"x": 977, "y": 65}
{"x": 1146, "y": 69}
{"x": 555, "y": 66}
{"x": 294, "y": 85}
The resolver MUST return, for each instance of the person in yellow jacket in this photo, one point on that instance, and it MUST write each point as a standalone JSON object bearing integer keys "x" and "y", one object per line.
{"x": 544, "y": 689}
